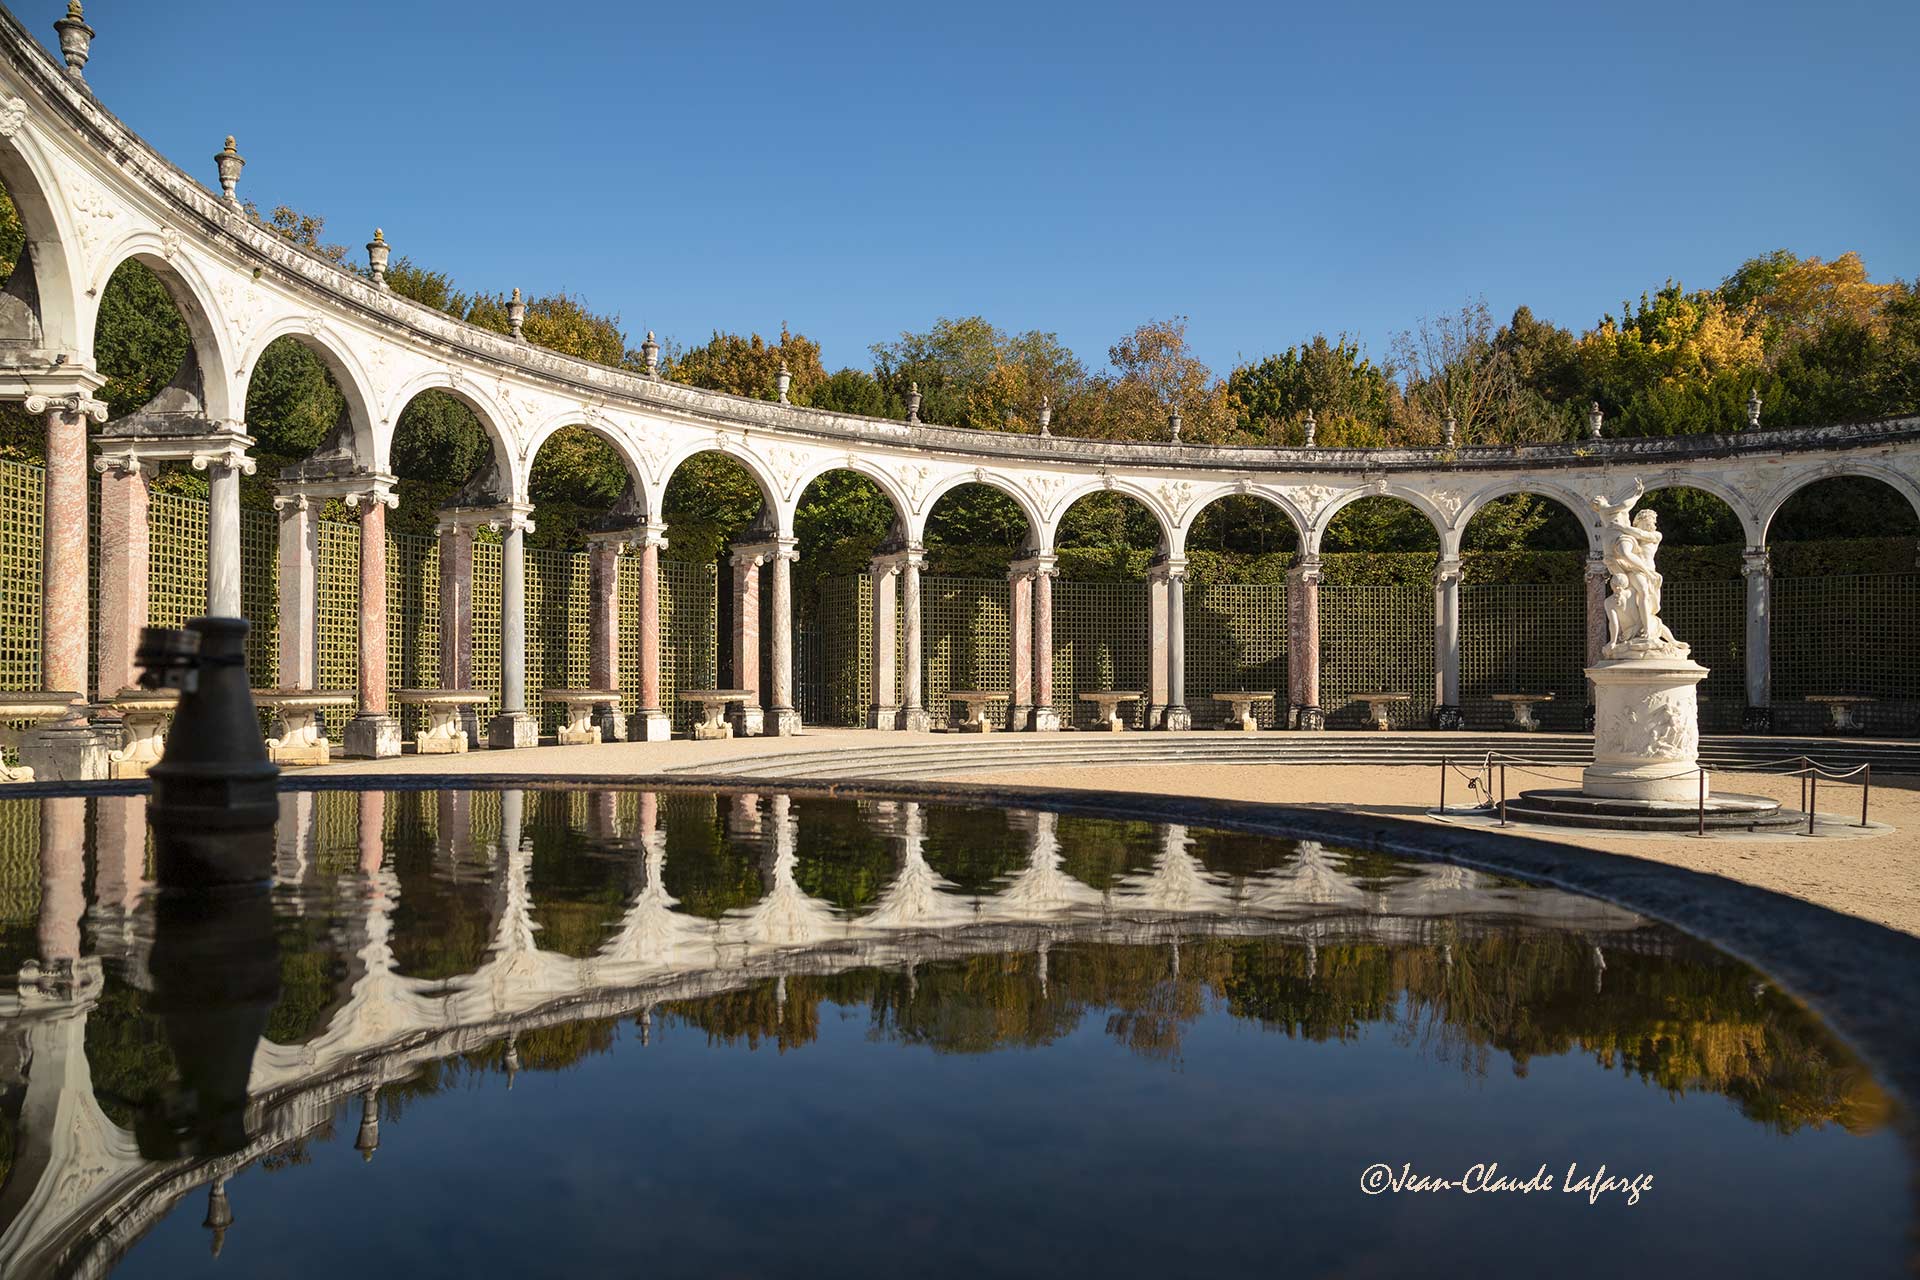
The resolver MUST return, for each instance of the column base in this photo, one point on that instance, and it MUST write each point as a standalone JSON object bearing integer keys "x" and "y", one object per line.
{"x": 470, "y": 723}
{"x": 748, "y": 722}
{"x": 1446, "y": 718}
{"x": 371, "y": 735}
{"x": 783, "y": 722}
{"x": 650, "y": 724}
{"x": 916, "y": 720}
{"x": 1177, "y": 719}
{"x": 1310, "y": 719}
{"x": 883, "y": 717}
{"x": 1756, "y": 720}
{"x": 612, "y": 725}
{"x": 1589, "y": 719}
{"x": 1019, "y": 717}
{"x": 68, "y": 753}
{"x": 511, "y": 729}
{"x": 1045, "y": 720}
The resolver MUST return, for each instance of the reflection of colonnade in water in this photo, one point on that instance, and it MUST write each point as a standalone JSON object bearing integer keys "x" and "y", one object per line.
{"x": 79, "y": 1192}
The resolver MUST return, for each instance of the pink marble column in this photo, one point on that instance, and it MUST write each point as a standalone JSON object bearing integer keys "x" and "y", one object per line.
{"x": 64, "y": 571}
{"x": 372, "y": 831}
{"x": 885, "y": 712}
{"x": 1303, "y": 640}
{"x": 651, "y": 723}
{"x": 456, "y": 606}
{"x": 748, "y": 719}
{"x": 603, "y": 630}
{"x": 373, "y": 733}
{"x": 785, "y": 717}
{"x": 125, "y": 562}
{"x": 1044, "y": 715}
{"x": 1020, "y": 611}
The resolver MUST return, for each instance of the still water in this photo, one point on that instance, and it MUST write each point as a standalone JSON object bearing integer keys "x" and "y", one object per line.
{"x": 561, "y": 1032}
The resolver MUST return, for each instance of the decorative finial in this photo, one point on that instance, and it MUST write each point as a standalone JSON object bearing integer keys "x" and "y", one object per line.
{"x": 230, "y": 163}
{"x": 1451, "y": 427}
{"x": 1594, "y": 419}
{"x": 1312, "y": 427}
{"x": 1046, "y": 415}
{"x": 377, "y": 252}
{"x": 368, "y": 1140}
{"x": 1753, "y": 407}
{"x": 76, "y": 40}
{"x": 913, "y": 402}
{"x": 516, "y": 316}
{"x": 650, "y": 351}
{"x": 783, "y": 380}
{"x": 1173, "y": 423}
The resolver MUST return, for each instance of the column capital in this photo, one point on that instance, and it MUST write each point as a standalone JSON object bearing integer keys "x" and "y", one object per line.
{"x": 1596, "y": 565}
{"x": 1446, "y": 572}
{"x": 1036, "y": 565}
{"x": 224, "y": 447}
{"x": 500, "y": 517}
{"x": 1756, "y": 561}
{"x": 1305, "y": 568}
{"x": 1167, "y": 569}
{"x": 124, "y": 462}
{"x": 75, "y": 402}
{"x": 753, "y": 554}
{"x": 352, "y": 489}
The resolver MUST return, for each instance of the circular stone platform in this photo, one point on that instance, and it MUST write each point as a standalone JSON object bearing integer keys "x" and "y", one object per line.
{"x": 1725, "y": 812}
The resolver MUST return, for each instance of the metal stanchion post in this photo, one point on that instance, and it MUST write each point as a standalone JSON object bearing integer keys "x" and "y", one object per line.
{"x": 1813, "y": 798}
{"x": 1866, "y": 785}
{"x": 1443, "y": 784}
{"x": 1503, "y": 793}
{"x": 1703, "y": 801}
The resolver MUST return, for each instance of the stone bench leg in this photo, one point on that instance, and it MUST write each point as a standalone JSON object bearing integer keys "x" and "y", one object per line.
{"x": 975, "y": 719}
{"x": 1240, "y": 718}
{"x": 146, "y": 743}
{"x": 1523, "y": 717}
{"x": 1378, "y": 710}
{"x": 713, "y": 724}
{"x": 301, "y": 740}
{"x": 1844, "y": 719}
{"x": 1107, "y": 717}
{"x": 579, "y": 730}
{"x": 444, "y": 734}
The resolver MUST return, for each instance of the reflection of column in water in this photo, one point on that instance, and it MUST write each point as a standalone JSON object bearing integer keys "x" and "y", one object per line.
{"x": 120, "y": 860}
{"x": 63, "y": 830}
{"x": 453, "y": 826}
{"x": 373, "y": 826}
{"x": 367, "y": 1141}
{"x": 512, "y": 808}
{"x": 219, "y": 1214}
{"x": 293, "y": 838}
{"x": 1599, "y": 968}
{"x": 600, "y": 810}
{"x": 1045, "y": 945}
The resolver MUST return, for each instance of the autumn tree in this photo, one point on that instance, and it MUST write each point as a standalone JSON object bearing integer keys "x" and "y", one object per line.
{"x": 750, "y": 366}
{"x": 1351, "y": 399}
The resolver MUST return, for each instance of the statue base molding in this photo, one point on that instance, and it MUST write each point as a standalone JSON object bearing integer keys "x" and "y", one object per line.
{"x": 1646, "y": 730}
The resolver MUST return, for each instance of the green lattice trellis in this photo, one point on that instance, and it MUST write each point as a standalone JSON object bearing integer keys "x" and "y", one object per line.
{"x": 1847, "y": 635}
{"x": 1523, "y": 638}
{"x": 20, "y": 518}
{"x": 1376, "y": 639}
{"x": 1711, "y": 618}
{"x": 1099, "y": 642}
{"x": 1236, "y": 639}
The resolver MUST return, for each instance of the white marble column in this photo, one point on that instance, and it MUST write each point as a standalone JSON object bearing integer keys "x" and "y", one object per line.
{"x": 514, "y": 727}
{"x": 1020, "y": 654}
{"x": 1157, "y": 652}
{"x": 456, "y": 616}
{"x": 1177, "y": 717}
{"x": 299, "y": 589}
{"x": 1596, "y": 581}
{"x": 783, "y": 717}
{"x": 603, "y": 628}
{"x": 1446, "y": 645}
{"x": 885, "y": 710}
{"x": 651, "y": 723}
{"x": 373, "y": 733}
{"x": 749, "y": 718}
{"x": 1757, "y": 566}
{"x": 1045, "y": 717}
{"x": 1303, "y": 640}
{"x": 913, "y": 711}
{"x": 223, "y": 538}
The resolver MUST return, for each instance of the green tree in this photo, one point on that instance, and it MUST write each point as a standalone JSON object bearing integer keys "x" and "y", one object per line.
{"x": 750, "y": 366}
{"x": 1352, "y": 399}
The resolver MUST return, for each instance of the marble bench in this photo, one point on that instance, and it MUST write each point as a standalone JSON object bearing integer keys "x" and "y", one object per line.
{"x": 1108, "y": 701}
{"x": 713, "y": 711}
{"x": 446, "y": 711}
{"x": 579, "y": 730}
{"x": 1377, "y": 704}
{"x": 28, "y": 710}
{"x": 1523, "y": 705}
{"x": 1240, "y": 711}
{"x": 976, "y": 703}
{"x": 144, "y": 714}
{"x": 1843, "y": 710}
{"x": 302, "y": 738}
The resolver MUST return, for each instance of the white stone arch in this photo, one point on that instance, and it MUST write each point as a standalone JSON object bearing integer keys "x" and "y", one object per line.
{"x": 491, "y": 415}
{"x": 1742, "y": 509}
{"x": 1576, "y": 504}
{"x": 1838, "y": 469}
{"x": 349, "y": 375}
{"x": 600, "y": 426}
{"x": 1443, "y": 528}
{"x": 193, "y": 297}
{"x": 1111, "y": 484}
{"x": 46, "y": 214}
{"x": 1272, "y": 497}
{"x": 755, "y": 466}
{"x": 874, "y": 469}
{"x": 1036, "y": 523}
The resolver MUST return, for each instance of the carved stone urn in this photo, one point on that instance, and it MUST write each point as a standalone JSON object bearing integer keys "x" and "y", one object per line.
{"x": 1646, "y": 730}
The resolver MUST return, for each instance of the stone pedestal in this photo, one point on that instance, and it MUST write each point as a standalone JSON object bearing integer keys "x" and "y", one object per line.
{"x": 649, "y": 726}
{"x": 371, "y": 735}
{"x": 1646, "y": 733}
{"x": 511, "y": 729}
{"x": 651, "y": 722}
{"x": 67, "y": 752}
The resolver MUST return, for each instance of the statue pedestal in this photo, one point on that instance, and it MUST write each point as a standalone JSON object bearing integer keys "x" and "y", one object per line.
{"x": 1646, "y": 729}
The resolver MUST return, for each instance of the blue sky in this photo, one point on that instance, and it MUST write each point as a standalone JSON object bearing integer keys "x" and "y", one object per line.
{"x": 1268, "y": 170}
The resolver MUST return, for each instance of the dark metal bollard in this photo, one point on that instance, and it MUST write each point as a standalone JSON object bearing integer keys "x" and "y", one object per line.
{"x": 1866, "y": 785}
{"x": 1813, "y": 798}
{"x": 215, "y": 793}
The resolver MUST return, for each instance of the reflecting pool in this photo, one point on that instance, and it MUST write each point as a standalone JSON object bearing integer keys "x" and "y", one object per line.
{"x": 687, "y": 1034}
